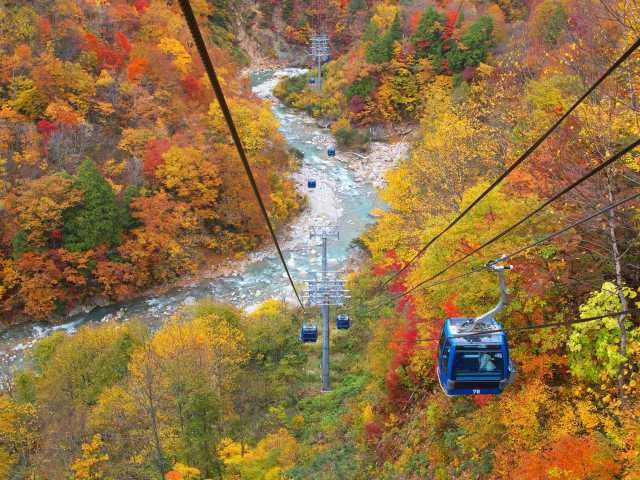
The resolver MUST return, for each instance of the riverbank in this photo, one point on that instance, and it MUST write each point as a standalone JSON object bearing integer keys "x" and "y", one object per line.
{"x": 373, "y": 166}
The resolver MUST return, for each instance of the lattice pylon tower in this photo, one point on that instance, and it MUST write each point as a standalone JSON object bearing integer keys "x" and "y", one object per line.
{"x": 319, "y": 53}
{"x": 325, "y": 289}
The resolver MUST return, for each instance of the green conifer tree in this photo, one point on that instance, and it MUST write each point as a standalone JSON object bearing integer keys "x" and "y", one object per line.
{"x": 98, "y": 219}
{"x": 427, "y": 39}
{"x": 381, "y": 50}
{"x": 478, "y": 39}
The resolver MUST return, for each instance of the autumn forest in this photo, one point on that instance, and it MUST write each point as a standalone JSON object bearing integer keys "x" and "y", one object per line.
{"x": 464, "y": 130}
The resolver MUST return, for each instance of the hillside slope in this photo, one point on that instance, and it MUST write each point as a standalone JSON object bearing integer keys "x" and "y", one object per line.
{"x": 116, "y": 168}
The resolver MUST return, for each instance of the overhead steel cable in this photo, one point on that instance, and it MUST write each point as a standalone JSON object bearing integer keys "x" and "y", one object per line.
{"x": 541, "y": 207}
{"x": 425, "y": 283}
{"x": 536, "y": 327}
{"x": 517, "y": 163}
{"x": 190, "y": 18}
{"x": 570, "y": 226}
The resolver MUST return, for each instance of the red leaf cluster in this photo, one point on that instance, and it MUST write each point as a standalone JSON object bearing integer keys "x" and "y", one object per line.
{"x": 402, "y": 303}
{"x": 402, "y": 344}
{"x": 141, "y": 5}
{"x": 57, "y": 235}
{"x": 123, "y": 42}
{"x": 137, "y": 68}
{"x": 423, "y": 43}
{"x": 108, "y": 56}
{"x": 481, "y": 400}
{"x": 153, "y": 155}
{"x": 373, "y": 432}
{"x": 452, "y": 18}
{"x": 397, "y": 396}
{"x": 414, "y": 20}
{"x": 44, "y": 26}
{"x": 379, "y": 269}
{"x": 192, "y": 87}
{"x": 490, "y": 217}
{"x": 464, "y": 246}
{"x": 569, "y": 457}
{"x": 468, "y": 73}
{"x": 449, "y": 306}
{"x": 356, "y": 104}
{"x": 45, "y": 127}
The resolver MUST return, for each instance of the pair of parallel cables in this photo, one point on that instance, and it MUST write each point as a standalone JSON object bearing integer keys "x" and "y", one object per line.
{"x": 515, "y": 165}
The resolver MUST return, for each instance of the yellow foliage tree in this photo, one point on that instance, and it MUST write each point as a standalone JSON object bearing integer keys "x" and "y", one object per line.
{"x": 187, "y": 173}
{"x": 527, "y": 415}
{"x": 273, "y": 455}
{"x": 214, "y": 345}
{"x": 9, "y": 277}
{"x": 104, "y": 79}
{"x": 134, "y": 140}
{"x": 184, "y": 378}
{"x": 384, "y": 14}
{"x": 39, "y": 205}
{"x": 453, "y": 152}
{"x": 173, "y": 47}
{"x": 18, "y": 433}
{"x": 90, "y": 465}
{"x": 398, "y": 95}
{"x": 181, "y": 471}
{"x": 256, "y": 125}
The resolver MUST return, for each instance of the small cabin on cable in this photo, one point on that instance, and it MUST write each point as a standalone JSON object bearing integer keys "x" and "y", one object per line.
{"x": 343, "y": 322}
{"x": 331, "y": 151}
{"x": 473, "y": 362}
{"x": 311, "y": 183}
{"x": 309, "y": 333}
{"x": 473, "y": 353}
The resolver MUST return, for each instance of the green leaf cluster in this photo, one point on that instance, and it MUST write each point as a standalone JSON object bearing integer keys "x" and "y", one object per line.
{"x": 100, "y": 218}
{"x": 381, "y": 50}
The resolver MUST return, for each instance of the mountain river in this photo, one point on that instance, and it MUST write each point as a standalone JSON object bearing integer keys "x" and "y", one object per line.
{"x": 345, "y": 196}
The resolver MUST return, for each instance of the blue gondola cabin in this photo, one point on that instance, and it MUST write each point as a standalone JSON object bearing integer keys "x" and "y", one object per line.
{"x": 311, "y": 183}
{"x": 473, "y": 363}
{"x": 331, "y": 152}
{"x": 309, "y": 333}
{"x": 343, "y": 322}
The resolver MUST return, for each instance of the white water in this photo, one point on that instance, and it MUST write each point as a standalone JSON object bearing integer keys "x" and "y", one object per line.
{"x": 343, "y": 197}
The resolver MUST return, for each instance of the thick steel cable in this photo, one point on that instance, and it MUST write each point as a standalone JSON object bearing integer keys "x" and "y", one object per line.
{"x": 517, "y": 163}
{"x": 185, "y": 5}
{"x": 572, "y": 225}
{"x": 541, "y": 207}
{"x": 452, "y": 278}
{"x": 546, "y": 238}
{"x": 536, "y": 327}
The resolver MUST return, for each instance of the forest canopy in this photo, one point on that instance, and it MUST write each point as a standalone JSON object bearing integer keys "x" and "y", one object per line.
{"x": 117, "y": 174}
{"x": 108, "y": 126}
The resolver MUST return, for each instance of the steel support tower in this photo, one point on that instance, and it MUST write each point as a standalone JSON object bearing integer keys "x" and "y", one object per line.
{"x": 319, "y": 53}
{"x": 324, "y": 290}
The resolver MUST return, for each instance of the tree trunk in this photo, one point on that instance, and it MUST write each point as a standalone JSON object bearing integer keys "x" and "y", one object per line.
{"x": 615, "y": 252}
{"x": 152, "y": 410}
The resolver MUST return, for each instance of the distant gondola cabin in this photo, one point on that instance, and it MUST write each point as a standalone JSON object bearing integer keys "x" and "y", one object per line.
{"x": 309, "y": 333}
{"x": 343, "y": 322}
{"x": 311, "y": 183}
